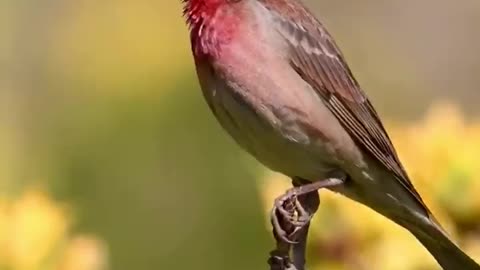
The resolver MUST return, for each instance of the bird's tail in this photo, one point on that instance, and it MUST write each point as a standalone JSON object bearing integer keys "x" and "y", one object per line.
{"x": 394, "y": 201}
{"x": 437, "y": 242}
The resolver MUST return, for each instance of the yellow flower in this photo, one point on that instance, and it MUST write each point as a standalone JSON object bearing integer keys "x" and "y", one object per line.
{"x": 34, "y": 235}
{"x": 84, "y": 253}
{"x": 35, "y": 226}
{"x": 3, "y": 230}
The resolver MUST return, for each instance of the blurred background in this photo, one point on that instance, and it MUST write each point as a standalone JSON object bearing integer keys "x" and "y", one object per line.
{"x": 109, "y": 158}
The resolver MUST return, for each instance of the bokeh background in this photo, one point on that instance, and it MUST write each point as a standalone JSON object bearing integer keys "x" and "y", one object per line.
{"x": 109, "y": 158}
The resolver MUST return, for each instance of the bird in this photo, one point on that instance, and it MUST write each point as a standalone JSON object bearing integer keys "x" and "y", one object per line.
{"x": 279, "y": 85}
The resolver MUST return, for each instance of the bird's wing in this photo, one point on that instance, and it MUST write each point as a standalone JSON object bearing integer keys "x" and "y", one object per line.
{"x": 315, "y": 56}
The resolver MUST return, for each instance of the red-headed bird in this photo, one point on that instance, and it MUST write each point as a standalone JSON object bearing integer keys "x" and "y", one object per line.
{"x": 278, "y": 84}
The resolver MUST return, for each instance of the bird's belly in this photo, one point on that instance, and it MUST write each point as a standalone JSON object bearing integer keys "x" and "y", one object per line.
{"x": 276, "y": 142}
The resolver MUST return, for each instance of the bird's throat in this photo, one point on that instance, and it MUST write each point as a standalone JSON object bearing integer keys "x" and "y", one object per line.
{"x": 212, "y": 25}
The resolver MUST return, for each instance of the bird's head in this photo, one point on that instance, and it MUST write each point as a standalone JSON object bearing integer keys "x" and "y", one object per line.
{"x": 195, "y": 10}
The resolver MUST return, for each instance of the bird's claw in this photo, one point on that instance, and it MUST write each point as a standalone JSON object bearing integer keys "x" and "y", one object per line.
{"x": 288, "y": 216}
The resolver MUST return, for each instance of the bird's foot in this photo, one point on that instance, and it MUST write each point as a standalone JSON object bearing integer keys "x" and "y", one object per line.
{"x": 288, "y": 216}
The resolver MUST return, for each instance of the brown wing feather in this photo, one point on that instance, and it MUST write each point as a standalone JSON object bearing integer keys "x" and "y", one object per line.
{"x": 316, "y": 57}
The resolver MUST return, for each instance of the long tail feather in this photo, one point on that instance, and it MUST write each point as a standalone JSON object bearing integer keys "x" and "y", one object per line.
{"x": 445, "y": 251}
